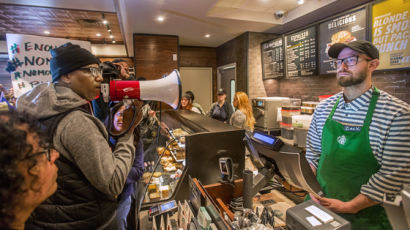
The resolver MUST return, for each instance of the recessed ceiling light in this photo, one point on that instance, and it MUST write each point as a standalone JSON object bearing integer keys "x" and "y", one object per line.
{"x": 109, "y": 30}
{"x": 207, "y": 35}
{"x": 113, "y": 41}
{"x": 105, "y": 22}
{"x": 160, "y": 18}
{"x": 111, "y": 36}
{"x": 300, "y": 2}
{"x": 46, "y": 32}
{"x": 98, "y": 35}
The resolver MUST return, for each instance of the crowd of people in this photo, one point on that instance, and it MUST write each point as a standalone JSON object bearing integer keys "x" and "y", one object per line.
{"x": 53, "y": 128}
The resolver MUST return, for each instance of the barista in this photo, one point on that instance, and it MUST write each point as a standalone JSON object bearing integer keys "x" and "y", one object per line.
{"x": 358, "y": 140}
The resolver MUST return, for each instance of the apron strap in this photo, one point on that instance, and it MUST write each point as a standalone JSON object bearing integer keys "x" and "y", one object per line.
{"x": 372, "y": 106}
{"x": 334, "y": 108}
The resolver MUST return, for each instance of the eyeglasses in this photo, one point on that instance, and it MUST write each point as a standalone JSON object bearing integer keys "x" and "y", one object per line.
{"x": 349, "y": 61}
{"x": 95, "y": 72}
{"x": 46, "y": 151}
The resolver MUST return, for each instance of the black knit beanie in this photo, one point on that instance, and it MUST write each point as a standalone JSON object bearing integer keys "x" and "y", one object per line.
{"x": 68, "y": 58}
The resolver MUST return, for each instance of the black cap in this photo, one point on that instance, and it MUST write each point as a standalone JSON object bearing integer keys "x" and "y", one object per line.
{"x": 221, "y": 91}
{"x": 68, "y": 58}
{"x": 360, "y": 46}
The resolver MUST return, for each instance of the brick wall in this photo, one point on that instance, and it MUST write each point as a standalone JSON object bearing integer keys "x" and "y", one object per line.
{"x": 394, "y": 82}
{"x": 256, "y": 87}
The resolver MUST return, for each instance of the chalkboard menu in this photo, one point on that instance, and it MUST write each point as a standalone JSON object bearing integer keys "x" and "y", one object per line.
{"x": 346, "y": 28}
{"x": 272, "y": 59}
{"x": 301, "y": 53}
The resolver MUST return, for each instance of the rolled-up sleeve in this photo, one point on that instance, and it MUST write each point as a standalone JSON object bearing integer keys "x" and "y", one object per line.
{"x": 395, "y": 160}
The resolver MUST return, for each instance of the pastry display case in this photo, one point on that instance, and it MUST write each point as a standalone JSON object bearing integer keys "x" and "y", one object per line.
{"x": 192, "y": 145}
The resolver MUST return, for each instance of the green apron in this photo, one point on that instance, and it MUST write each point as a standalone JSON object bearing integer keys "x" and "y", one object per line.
{"x": 346, "y": 163}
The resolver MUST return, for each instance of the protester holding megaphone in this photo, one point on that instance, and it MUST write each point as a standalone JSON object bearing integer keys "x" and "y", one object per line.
{"x": 87, "y": 200}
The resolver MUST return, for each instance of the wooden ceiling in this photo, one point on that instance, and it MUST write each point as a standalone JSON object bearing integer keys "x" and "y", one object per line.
{"x": 62, "y": 23}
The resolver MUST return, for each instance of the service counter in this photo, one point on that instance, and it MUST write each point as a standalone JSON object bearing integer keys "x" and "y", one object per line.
{"x": 192, "y": 147}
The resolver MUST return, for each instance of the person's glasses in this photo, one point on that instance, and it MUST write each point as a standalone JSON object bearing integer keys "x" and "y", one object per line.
{"x": 95, "y": 72}
{"x": 349, "y": 61}
{"x": 46, "y": 151}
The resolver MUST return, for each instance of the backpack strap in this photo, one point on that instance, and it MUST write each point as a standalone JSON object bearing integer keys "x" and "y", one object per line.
{"x": 49, "y": 124}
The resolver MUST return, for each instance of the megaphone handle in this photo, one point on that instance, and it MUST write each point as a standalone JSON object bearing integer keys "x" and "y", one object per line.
{"x": 134, "y": 118}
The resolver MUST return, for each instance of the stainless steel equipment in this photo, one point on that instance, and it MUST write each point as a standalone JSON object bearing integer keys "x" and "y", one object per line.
{"x": 265, "y": 111}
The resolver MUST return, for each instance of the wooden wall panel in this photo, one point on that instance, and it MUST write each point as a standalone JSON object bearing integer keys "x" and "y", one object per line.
{"x": 153, "y": 55}
{"x": 190, "y": 56}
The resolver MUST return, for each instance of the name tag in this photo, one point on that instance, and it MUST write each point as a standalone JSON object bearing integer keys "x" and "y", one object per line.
{"x": 353, "y": 128}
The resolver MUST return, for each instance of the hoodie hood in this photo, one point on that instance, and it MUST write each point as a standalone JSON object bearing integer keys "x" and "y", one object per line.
{"x": 49, "y": 99}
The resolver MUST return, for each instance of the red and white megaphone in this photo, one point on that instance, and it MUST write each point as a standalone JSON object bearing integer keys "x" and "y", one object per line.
{"x": 167, "y": 90}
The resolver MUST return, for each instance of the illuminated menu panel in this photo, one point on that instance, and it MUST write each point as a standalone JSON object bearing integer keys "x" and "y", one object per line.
{"x": 273, "y": 59}
{"x": 346, "y": 28}
{"x": 301, "y": 53}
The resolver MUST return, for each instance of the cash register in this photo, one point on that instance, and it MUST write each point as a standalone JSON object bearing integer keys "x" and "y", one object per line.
{"x": 271, "y": 156}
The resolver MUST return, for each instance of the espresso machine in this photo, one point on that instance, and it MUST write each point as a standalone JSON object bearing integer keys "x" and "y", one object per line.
{"x": 265, "y": 111}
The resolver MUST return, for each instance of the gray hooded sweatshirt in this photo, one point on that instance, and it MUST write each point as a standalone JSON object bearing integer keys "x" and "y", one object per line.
{"x": 82, "y": 140}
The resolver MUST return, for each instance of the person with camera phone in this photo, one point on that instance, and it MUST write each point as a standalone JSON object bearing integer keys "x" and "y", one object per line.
{"x": 91, "y": 175}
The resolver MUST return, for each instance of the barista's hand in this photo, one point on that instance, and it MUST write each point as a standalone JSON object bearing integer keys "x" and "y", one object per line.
{"x": 313, "y": 197}
{"x": 335, "y": 205}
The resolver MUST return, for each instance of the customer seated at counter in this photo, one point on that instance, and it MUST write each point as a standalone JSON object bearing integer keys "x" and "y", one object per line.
{"x": 243, "y": 116}
{"x": 358, "y": 141}
{"x": 28, "y": 173}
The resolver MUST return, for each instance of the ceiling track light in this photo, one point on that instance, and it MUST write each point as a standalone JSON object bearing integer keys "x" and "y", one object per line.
{"x": 160, "y": 18}
{"x": 104, "y": 21}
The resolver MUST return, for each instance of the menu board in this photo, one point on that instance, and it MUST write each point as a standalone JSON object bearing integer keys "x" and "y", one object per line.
{"x": 301, "y": 53}
{"x": 346, "y": 28}
{"x": 391, "y": 33}
{"x": 272, "y": 59}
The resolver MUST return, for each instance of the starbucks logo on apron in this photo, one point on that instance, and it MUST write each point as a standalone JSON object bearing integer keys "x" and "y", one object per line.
{"x": 341, "y": 139}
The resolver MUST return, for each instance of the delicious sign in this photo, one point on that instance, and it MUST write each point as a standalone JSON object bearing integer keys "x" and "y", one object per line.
{"x": 346, "y": 28}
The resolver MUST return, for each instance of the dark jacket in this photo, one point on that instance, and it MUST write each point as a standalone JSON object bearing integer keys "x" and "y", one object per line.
{"x": 90, "y": 175}
{"x": 223, "y": 113}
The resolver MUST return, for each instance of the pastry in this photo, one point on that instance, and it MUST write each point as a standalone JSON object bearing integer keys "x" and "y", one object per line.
{"x": 152, "y": 188}
{"x": 157, "y": 174}
{"x": 154, "y": 196}
{"x": 179, "y": 166}
{"x": 170, "y": 167}
{"x": 160, "y": 149}
{"x": 164, "y": 190}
